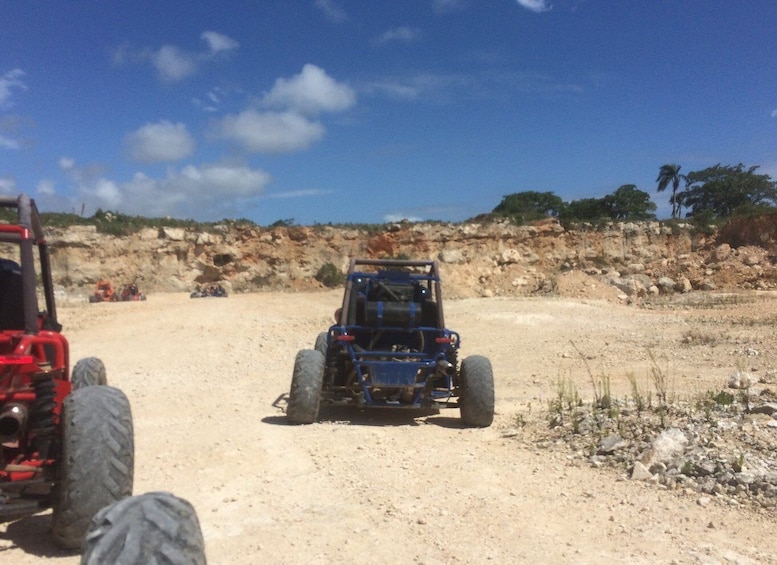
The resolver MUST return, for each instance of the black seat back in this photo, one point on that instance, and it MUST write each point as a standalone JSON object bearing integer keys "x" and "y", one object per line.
{"x": 11, "y": 295}
{"x": 398, "y": 314}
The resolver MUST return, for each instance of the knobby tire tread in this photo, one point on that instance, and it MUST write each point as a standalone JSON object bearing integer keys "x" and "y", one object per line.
{"x": 306, "y": 382}
{"x": 97, "y": 460}
{"x": 322, "y": 343}
{"x": 89, "y": 371}
{"x": 155, "y": 528}
{"x": 477, "y": 392}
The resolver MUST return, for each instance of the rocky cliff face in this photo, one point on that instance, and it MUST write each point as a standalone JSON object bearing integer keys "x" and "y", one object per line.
{"x": 476, "y": 259}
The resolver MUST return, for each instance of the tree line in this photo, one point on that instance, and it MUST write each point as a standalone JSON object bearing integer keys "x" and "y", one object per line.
{"x": 714, "y": 193}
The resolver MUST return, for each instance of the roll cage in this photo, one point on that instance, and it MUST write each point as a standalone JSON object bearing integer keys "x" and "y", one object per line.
{"x": 27, "y": 233}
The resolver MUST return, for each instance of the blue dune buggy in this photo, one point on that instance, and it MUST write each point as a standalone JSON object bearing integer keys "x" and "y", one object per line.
{"x": 389, "y": 348}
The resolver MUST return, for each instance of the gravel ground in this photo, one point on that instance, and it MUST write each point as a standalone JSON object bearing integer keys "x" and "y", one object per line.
{"x": 207, "y": 380}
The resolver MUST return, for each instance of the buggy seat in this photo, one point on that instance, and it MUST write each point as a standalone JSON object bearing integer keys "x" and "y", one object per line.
{"x": 11, "y": 305}
{"x": 401, "y": 314}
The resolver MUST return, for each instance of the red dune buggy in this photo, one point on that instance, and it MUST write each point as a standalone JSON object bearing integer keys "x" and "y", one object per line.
{"x": 66, "y": 438}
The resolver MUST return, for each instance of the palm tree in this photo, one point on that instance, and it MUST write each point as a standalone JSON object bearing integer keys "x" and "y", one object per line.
{"x": 670, "y": 173}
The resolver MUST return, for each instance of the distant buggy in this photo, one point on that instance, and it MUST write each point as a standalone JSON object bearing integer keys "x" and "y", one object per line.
{"x": 389, "y": 348}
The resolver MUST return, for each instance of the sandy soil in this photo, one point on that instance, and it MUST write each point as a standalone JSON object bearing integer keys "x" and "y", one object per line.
{"x": 207, "y": 380}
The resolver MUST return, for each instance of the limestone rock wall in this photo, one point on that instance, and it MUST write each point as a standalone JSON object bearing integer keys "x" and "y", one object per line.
{"x": 476, "y": 259}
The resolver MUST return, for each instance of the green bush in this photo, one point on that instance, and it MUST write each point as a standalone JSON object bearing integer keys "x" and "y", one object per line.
{"x": 704, "y": 221}
{"x": 329, "y": 275}
{"x": 118, "y": 224}
{"x": 284, "y": 223}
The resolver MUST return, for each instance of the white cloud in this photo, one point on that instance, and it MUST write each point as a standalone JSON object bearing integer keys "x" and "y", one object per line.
{"x": 207, "y": 192}
{"x": 332, "y": 10}
{"x": 288, "y": 124}
{"x": 400, "y": 217}
{"x": 270, "y": 132}
{"x": 46, "y": 187}
{"x": 402, "y": 34}
{"x": 774, "y": 113}
{"x": 8, "y": 143}
{"x": 88, "y": 174}
{"x": 7, "y": 185}
{"x": 442, "y": 88}
{"x": 172, "y": 64}
{"x": 226, "y": 180}
{"x": 160, "y": 142}
{"x": 421, "y": 85}
{"x": 218, "y": 42}
{"x": 304, "y": 193}
{"x": 394, "y": 89}
{"x": 122, "y": 54}
{"x": 66, "y": 163}
{"x": 310, "y": 92}
{"x": 11, "y": 127}
{"x": 212, "y": 100}
{"x": 107, "y": 192}
{"x": 204, "y": 106}
{"x": 535, "y": 5}
{"x": 9, "y": 81}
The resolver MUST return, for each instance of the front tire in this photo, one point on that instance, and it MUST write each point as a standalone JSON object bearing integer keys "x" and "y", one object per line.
{"x": 155, "y": 527}
{"x": 306, "y": 382}
{"x": 476, "y": 395}
{"x": 97, "y": 461}
{"x": 322, "y": 343}
{"x": 89, "y": 371}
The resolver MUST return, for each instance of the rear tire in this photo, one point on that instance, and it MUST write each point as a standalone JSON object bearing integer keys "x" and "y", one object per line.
{"x": 97, "y": 460}
{"x": 306, "y": 382}
{"x": 476, "y": 395}
{"x": 155, "y": 527}
{"x": 89, "y": 371}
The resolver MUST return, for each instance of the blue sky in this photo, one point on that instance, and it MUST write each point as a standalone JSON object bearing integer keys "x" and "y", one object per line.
{"x": 368, "y": 111}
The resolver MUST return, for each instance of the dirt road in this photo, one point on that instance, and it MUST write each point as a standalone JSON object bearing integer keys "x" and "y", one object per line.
{"x": 206, "y": 379}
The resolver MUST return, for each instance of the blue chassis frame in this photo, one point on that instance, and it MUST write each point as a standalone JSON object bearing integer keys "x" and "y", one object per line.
{"x": 419, "y": 377}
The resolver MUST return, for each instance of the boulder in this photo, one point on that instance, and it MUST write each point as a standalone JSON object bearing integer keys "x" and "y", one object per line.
{"x": 173, "y": 234}
{"x": 721, "y": 253}
{"x": 508, "y": 257}
{"x": 452, "y": 256}
{"x": 665, "y": 448}
{"x": 666, "y": 285}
